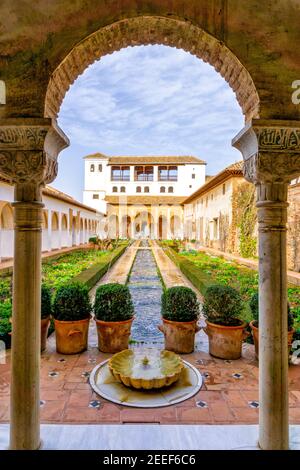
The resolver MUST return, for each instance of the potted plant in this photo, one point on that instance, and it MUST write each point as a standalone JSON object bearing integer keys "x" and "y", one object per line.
{"x": 46, "y": 312}
{"x": 222, "y": 307}
{"x": 114, "y": 311}
{"x": 71, "y": 311}
{"x": 254, "y": 324}
{"x": 180, "y": 311}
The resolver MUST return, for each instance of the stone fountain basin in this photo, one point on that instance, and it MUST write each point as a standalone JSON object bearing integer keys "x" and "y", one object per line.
{"x": 146, "y": 369}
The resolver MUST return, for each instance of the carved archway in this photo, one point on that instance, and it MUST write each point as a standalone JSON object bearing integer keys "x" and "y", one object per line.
{"x": 147, "y": 30}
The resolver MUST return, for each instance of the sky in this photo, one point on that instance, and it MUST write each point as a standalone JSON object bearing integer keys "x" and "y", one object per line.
{"x": 148, "y": 100}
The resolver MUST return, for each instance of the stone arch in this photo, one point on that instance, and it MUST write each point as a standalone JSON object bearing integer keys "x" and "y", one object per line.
{"x": 64, "y": 222}
{"x": 55, "y": 234}
{"x": 7, "y": 218}
{"x": 176, "y": 226}
{"x": 6, "y": 231}
{"x": 64, "y": 231}
{"x": 54, "y": 222}
{"x": 143, "y": 224}
{"x": 162, "y": 227}
{"x": 113, "y": 226}
{"x": 45, "y": 220}
{"x": 145, "y": 30}
{"x": 126, "y": 227}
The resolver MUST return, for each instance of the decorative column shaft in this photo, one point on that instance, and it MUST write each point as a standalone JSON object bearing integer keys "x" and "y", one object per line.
{"x": 28, "y": 157}
{"x": 271, "y": 150}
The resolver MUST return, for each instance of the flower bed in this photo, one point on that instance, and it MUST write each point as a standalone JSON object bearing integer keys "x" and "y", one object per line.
{"x": 58, "y": 272}
{"x": 204, "y": 269}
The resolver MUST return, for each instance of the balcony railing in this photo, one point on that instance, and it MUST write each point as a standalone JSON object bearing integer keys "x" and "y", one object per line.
{"x": 143, "y": 178}
{"x": 120, "y": 178}
{"x": 167, "y": 178}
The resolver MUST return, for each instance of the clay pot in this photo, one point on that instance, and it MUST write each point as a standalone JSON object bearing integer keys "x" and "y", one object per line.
{"x": 255, "y": 334}
{"x": 179, "y": 336}
{"x": 225, "y": 342}
{"x": 45, "y": 323}
{"x": 290, "y": 339}
{"x": 113, "y": 336}
{"x": 71, "y": 336}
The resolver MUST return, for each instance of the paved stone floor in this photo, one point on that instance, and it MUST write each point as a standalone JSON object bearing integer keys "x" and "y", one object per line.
{"x": 229, "y": 394}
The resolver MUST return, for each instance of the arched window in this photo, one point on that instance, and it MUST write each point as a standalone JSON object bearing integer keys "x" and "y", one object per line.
{"x": 92, "y": 168}
{"x": 146, "y": 189}
{"x": 170, "y": 189}
{"x": 162, "y": 189}
{"x": 138, "y": 189}
{"x": 123, "y": 189}
{"x": 115, "y": 189}
{"x": 100, "y": 167}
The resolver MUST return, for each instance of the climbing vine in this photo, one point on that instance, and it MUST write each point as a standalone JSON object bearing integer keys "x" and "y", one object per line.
{"x": 246, "y": 217}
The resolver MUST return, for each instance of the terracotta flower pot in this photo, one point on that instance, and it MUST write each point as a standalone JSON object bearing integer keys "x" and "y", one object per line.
{"x": 290, "y": 339}
{"x": 45, "y": 323}
{"x": 113, "y": 336}
{"x": 71, "y": 336}
{"x": 255, "y": 334}
{"x": 225, "y": 342}
{"x": 179, "y": 336}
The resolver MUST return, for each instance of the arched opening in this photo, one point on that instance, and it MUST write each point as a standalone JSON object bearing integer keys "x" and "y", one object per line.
{"x": 55, "y": 242}
{"x": 126, "y": 227}
{"x": 176, "y": 227}
{"x": 81, "y": 235}
{"x": 64, "y": 231}
{"x": 162, "y": 227}
{"x": 74, "y": 231}
{"x": 113, "y": 226}
{"x": 6, "y": 232}
{"x": 145, "y": 30}
{"x": 143, "y": 225}
{"x": 45, "y": 234}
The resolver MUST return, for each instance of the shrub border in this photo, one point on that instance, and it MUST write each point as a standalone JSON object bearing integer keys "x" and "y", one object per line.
{"x": 92, "y": 275}
{"x": 199, "y": 279}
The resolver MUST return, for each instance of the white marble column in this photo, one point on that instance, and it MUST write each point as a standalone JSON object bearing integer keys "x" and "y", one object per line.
{"x": 28, "y": 157}
{"x": 271, "y": 150}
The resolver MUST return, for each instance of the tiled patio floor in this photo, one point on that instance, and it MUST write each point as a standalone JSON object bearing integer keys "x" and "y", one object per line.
{"x": 66, "y": 396}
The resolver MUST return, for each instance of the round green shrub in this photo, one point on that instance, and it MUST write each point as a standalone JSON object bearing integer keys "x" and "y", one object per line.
{"x": 5, "y": 327}
{"x": 72, "y": 302}
{"x": 223, "y": 305}
{"x": 113, "y": 303}
{"x": 179, "y": 304}
{"x": 254, "y": 306}
{"x": 46, "y": 301}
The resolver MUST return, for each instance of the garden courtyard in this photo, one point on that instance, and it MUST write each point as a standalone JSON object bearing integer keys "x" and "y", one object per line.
{"x": 229, "y": 393}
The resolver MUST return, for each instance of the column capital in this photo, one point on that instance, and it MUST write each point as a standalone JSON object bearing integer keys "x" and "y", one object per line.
{"x": 271, "y": 151}
{"x": 28, "y": 154}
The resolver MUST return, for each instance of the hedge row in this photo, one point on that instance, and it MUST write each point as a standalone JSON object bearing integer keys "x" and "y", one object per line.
{"x": 91, "y": 276}
{"x": 197, "y": 277}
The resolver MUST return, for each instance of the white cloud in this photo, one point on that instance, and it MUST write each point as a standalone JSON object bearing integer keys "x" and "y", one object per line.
{"x": 148, "y": 100}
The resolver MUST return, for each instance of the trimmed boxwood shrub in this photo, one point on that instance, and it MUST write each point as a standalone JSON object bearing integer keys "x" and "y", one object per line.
{"x": 113, "y": 303}
{"x": 72, "y": 303}
{"x": 179, "y": 304}
{"x": 46, "y": 302}
{"x": 254, "y": 306}
{"x": 223, "y": 305}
